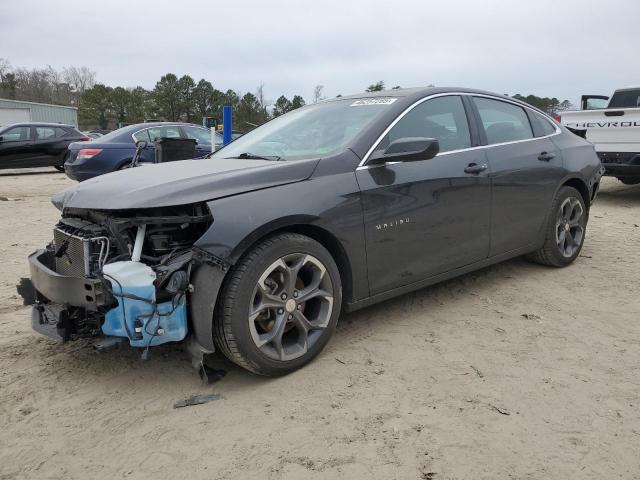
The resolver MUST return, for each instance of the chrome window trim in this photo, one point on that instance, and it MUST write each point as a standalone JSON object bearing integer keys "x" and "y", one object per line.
{"x": 363, "y": 164}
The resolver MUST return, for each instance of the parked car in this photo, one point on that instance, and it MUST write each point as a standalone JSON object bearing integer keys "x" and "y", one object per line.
{"x": 330, "y": 207}
{"x": 28, "y": 145}
{"x": 115, "y": 150}
{"x": 614, "y": 129}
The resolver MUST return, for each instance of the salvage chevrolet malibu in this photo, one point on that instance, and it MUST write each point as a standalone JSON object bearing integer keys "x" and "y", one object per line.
{"x": 256, "y": 251}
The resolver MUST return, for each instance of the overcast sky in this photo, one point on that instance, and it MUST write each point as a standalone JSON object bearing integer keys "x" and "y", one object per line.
{"x": 561, "y": 48}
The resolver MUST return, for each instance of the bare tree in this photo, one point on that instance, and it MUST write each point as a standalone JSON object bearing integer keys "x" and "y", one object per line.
{"x": 79, "y": 78}
{"x": 5, "y": 67}
{"x": 317, "y": 93}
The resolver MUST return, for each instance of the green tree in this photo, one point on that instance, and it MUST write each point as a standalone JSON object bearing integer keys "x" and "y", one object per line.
{"x": 95, "y": 107}
{"x": 282, "y": 106}
{"x": 168, "y": 97}
{"x": 203, "y": 94}
{"x": 140, "y": 105}
{"x": 296, "y": 102}
{"x": 249, "y": 113}
{"x": 121, "y": 102}
{"x": 186, "y": 86}
{"x": 376, "y": 87}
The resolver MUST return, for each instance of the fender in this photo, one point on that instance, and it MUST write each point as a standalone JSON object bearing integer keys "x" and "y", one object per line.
{"x": 330, "y": 204}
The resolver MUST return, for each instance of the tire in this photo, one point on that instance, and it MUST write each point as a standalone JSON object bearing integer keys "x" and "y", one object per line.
{"x": 629, "y": 180}
{"x": 60, "y": 166}
{"x": 252, "y": 308}
{"x": 565, "y": 231}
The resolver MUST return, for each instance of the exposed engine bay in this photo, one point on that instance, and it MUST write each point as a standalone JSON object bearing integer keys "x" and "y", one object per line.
{"x": 118, "y": 273}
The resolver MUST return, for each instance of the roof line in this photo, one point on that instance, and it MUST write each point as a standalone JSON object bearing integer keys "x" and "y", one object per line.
{"x": 37, "y": 103}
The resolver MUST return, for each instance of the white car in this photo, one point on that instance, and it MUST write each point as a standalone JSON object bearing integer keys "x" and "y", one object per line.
{"x": 613, "y": 128}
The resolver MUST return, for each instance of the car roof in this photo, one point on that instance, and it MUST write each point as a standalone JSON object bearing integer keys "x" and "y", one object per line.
{"x": 417, "y": 92}
{"x": 38, "y": 124}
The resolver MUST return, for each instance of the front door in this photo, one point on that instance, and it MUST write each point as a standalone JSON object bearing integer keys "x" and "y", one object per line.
{"x": 426, "y": 217}
{"x": 16, "y": 148}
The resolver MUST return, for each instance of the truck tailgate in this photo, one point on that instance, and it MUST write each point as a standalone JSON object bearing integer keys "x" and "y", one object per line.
{"x": 611, "y": 130}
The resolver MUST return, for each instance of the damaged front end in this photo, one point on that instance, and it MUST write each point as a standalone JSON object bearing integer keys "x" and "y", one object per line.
{"x": 120, "y": 274}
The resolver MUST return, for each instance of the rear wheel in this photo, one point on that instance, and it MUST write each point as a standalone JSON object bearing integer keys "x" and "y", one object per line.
{"x": 280, "y": 305}
{"x": 565, "y": 231}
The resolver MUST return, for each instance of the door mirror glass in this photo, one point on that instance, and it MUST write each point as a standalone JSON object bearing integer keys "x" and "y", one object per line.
{"x": 408, "y": 149}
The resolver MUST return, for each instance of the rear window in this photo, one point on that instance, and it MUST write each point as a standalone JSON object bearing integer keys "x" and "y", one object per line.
{"x": 42, "y": 133}
{"x": 541, "y": 126}
{"x": 625, "y": 99}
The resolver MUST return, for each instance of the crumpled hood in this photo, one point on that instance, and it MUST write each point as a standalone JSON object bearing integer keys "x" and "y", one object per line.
{"x": 180, "y": 183}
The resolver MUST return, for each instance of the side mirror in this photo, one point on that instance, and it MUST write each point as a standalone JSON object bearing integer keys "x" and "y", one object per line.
{"x": 409, "y": 149}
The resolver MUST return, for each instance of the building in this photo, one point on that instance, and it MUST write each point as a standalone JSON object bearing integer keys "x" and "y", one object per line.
{"x": 16, "y": 111}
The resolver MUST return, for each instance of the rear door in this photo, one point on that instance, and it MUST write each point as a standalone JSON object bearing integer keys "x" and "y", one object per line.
{"x": 526, "y": 168}
{"x": 50, "y": 145}
{"x": 427, "y": 217}
{"x": 16, "y": 148}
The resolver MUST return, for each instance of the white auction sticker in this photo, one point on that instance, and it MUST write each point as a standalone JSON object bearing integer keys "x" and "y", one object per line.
{"x": 373, "y": 101}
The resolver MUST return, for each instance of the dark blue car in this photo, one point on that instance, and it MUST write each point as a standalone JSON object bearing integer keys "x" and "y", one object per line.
{"x": 115, "y": 150}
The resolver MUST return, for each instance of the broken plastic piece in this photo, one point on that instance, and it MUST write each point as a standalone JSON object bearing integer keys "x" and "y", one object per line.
{"x": 197, "y": 400}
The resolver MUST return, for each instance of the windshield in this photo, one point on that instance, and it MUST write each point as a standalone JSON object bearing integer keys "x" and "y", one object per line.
{"x": 316, "y": 130}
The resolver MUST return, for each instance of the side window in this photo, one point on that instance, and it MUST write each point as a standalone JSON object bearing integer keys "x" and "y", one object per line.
{"x": 200, "y": 135}
{"x": 42, "y": 133}
{"x": 502, "y": 121}
{"x": 16, "y": 134}
{"x": 156, "y": 133}
{"x": 442, "y": 118}
{"x": 171, "y": 132}
{"x": 142, "y": 135}
{"x": 61, "y": 132}
{"x": 541, "y": 126}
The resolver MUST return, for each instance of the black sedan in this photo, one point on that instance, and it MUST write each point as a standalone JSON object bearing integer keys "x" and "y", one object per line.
{"x": 28, "y": 145}
{"x": 329, "y": 208}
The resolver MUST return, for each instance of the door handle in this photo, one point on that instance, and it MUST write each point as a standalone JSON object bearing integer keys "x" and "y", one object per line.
{"x": 476, "y": 168}
{"x": 546, "y": 156}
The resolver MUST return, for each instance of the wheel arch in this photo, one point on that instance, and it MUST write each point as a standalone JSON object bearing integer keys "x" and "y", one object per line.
{"x": 302, "y": 226}
{"x": 208, "y": 278}
{"x": 581, "y": 186}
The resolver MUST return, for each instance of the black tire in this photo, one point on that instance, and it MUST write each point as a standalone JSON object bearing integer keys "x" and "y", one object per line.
{"x": 554, "y": 251}
{"x": 235, "y": 333}
{"x": 629, "y": 180}
{"x": 63, "y": 158}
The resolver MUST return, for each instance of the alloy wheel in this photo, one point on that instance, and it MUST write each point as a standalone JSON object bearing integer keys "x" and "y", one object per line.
{"x": 290, "y": 307}
{"x": 570, "y": 226}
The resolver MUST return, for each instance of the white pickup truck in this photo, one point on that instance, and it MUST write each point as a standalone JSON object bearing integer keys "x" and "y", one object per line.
{"x": 613, "y": 128}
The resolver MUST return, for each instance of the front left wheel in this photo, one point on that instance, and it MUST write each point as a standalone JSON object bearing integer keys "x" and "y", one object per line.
{"x": 280, "y": 305}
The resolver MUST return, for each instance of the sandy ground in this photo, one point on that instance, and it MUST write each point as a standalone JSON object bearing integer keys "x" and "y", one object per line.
{"x": 451, "y": 382}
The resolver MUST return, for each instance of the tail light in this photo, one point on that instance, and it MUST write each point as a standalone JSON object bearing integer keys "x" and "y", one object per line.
{"x": 87, "y": 153}
{"x": 557, "y": 118}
